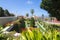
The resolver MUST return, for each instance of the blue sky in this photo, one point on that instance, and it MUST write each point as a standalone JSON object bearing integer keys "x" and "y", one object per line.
{"x": 21, "y": 7}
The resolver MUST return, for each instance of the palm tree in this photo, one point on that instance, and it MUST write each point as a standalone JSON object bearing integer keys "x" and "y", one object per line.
{"x": 27, "y": 15}
{"x": 32, "y": 11}
{"x": 42, "y": 16}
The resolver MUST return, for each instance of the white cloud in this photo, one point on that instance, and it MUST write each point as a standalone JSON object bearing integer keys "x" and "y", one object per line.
{"x": 29, "y": 2}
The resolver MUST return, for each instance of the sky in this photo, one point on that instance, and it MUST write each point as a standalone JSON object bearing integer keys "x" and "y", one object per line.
{"x": 21, "y": 7}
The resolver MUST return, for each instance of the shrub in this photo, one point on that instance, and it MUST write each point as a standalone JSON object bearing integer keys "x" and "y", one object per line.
{"x": 22, "y": 22}
{"x": 32, "y": 22}
{"x": 1, "y": 27}
{"x": 19, "y": 24}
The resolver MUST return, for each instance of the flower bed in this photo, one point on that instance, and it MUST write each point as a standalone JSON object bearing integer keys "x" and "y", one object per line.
{"x": 34, "y": 34}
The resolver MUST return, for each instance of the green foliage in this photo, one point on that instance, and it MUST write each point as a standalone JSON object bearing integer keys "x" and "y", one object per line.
{"x": 18, "y": 24}
{"x": 12, "y": 14}
{"x": 34, "y": 34}
{"x": 32, "y": 22}
{"x": 27, "y": 15}
{"x": 3, "y": 37}
{"x": 1, "y": 12}
{"x": 32, "y": 11}
{"x": 9, "y": 36}
{"x": 16, "y": 27}
{"x": 22, "y": 22}
{"x": 4, "y": 13}
{"x": 37, "y": 35}
{"x": 1, "y": 27}
{"x": 52, "y": 6}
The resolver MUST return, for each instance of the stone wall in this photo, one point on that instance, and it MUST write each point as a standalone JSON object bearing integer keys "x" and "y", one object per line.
{"x": 4, "y": 20}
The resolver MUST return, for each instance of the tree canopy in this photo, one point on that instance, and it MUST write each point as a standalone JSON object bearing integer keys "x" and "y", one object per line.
{"x": 1, "y": 12}
{"x": 32, "y": 11}
{"x": 5, "y": 13}
{"x": 27, "y": 14}
{"x": 52, "y": 6}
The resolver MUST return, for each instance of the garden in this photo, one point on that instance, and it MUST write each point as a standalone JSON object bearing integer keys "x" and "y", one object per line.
{"x": 30, "y": 27}
{"x": 38, "y": 30}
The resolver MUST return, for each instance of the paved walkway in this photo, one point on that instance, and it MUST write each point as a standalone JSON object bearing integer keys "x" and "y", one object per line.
{"x": 52, "y": 22}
